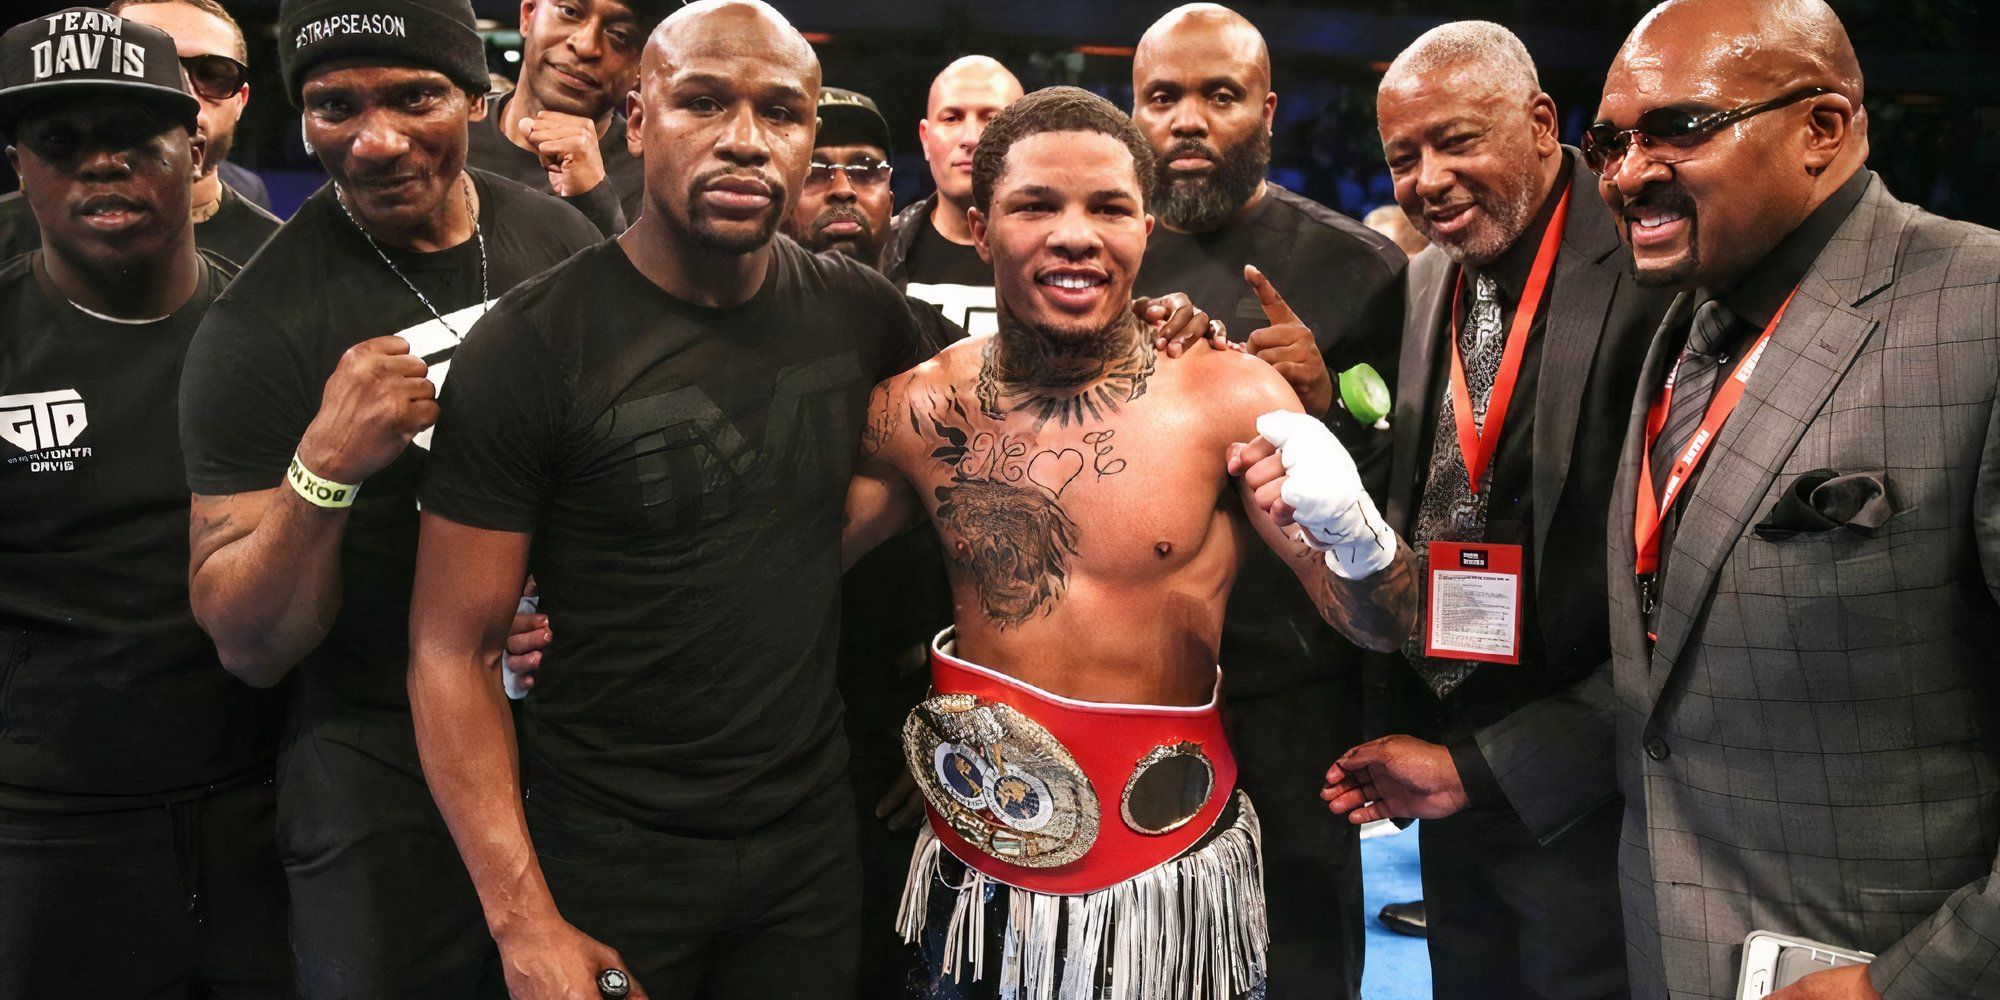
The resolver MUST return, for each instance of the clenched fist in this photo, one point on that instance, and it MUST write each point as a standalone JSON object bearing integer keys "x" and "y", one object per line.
{"x": 567, "y": 145}
{"x": 375, "y": 402}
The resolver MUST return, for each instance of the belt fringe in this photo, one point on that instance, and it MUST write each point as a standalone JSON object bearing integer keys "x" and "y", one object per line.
{"x": 1194, "y": 927}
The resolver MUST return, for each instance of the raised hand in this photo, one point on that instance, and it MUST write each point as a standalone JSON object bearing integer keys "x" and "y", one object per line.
{"x": 1300, "y": 473}
{"x": 567, "y": 145}
{"x": 1287, "y": 345}
{"x": 375, "y": 402}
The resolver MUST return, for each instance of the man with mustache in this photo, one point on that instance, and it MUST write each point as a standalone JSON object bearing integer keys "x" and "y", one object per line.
{"x": 1798, "y": 707}
{"x": 1306, "y": 282}
{"x": 1072, "y": 476}
{"x": 1527, "y": 305}
{"x": 557, "y": 130}
{"x": 306, "y": 409}
{"x": 930, "y": 253}
{"x": 846, "y": 203}
{"x": 210, "y": 48}
{"x": 136, "y": 847}
{"x": 663, "y": 429}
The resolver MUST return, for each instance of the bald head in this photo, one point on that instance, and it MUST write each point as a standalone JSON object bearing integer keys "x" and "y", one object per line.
{"x": 1780, "y": 45}
{"x": 1201, "y": 93}
{"x": 1703, "y": 209}
{"x": 723, "y": 120}
{"x": 1208, "y": 32}
{"x": 729, "y": 28}
{"x": 964, "y": 97}
{"x": 968, "y": 76}
{"x": 1478, "y": 53}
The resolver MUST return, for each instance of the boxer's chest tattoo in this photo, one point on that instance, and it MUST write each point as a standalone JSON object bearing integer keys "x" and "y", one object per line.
{"x": 1050, "y": 389}
{"x": 1001, "y": 503}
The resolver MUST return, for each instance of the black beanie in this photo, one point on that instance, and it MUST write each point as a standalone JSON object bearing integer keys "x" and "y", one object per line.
{"x": 428, "y": 34}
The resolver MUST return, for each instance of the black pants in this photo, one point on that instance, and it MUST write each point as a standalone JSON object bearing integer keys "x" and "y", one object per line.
{"x": 381, "y": 904}
{"x": 773, "y": 914}
{"x": 1510, "y": 917}
{"x": 182, "y": 899}
{"x": 1312, "y": 858}
{"x": 887, "y": 965}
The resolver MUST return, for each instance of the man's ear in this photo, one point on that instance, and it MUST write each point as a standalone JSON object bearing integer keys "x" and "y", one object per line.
{"x": 478, "y": 111}
{"x": 975, "y": 220}
{"x": 1542, "y": 111}
{"x": 1829, "y": 128}
{"x": 14, "y": 160}
{"x": 197, "y": 154}
{"x": 1270, "y": 110}
{"x": 1149, "y": 223}
{"x": 635, "y": 123}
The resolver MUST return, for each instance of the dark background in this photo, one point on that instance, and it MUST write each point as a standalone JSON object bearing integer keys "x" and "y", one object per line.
{"x": 1930, "y": 65}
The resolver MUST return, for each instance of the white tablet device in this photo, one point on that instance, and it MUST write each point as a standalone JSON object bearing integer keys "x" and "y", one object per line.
{"x": 1773, "y": 961}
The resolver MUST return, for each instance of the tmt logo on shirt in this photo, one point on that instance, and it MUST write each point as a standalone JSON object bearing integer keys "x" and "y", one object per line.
{"x": 82, "y": 40}
{"x": 44, "y": 425}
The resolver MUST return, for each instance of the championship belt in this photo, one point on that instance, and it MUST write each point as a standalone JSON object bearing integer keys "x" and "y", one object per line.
{"x": 1056, "y": 795}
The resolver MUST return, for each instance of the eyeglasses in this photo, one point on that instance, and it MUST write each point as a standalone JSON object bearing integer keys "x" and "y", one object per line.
{"x": 1660, "y": 129}
{"x": 217, "y": 78}
{"x": 861, "y": 175}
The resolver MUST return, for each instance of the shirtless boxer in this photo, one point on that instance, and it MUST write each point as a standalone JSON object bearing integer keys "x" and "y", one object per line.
{"x": 1073, "y": 741}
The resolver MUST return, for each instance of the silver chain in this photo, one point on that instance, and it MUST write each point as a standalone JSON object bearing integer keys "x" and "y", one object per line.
{"x": 477, "y": 234}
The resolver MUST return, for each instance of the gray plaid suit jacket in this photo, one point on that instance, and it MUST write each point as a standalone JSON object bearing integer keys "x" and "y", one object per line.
{"x": 1813, "y": 745}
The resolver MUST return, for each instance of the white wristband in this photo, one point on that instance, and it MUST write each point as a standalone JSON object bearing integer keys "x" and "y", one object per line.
{"x": 320, "y": 492}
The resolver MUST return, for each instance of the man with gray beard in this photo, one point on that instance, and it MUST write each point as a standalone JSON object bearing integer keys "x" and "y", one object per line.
{"x": 1201, "y": 86}
{"x": 1525, "y": 270}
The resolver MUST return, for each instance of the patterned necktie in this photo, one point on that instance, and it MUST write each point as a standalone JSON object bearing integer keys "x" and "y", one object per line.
{"x": 1450, "y": 511}
{"x": 1693, "y": 387}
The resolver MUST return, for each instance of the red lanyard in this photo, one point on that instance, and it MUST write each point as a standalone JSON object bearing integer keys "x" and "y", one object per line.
{"x": 1474, "y": 446}
{"x": 1649, "y": 514}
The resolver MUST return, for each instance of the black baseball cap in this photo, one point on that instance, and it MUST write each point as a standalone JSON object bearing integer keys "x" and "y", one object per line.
{"x": 848, "y": 118}
{"x": 85, "y": 52}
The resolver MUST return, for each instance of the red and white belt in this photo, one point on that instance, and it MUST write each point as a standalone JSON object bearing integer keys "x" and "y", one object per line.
{"x": 1057, "y": 795}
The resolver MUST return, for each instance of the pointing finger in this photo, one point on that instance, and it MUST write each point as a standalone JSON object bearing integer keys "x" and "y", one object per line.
{"x": 1274, "y": 305}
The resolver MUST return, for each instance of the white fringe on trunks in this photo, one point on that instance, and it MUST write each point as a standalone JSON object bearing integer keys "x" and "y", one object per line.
{"x": 1188, "y": 929}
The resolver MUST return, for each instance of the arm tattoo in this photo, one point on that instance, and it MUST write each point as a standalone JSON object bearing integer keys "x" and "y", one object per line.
{"x": 210, "y": 524}
{"x": 1001, "y": 510}
{"x": 881, "y": 422}
{"x": 1378, "y": 612}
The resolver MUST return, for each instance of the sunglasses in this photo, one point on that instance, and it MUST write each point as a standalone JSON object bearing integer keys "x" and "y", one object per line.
{"x": 1662, "y": 129}
{"x": 217, "y": 78}
{"x": 860, "y": 175}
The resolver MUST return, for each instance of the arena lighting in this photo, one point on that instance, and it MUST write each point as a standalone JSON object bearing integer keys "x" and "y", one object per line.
{"x": 818, "y": 37}
{"x": 1116, "y": 51}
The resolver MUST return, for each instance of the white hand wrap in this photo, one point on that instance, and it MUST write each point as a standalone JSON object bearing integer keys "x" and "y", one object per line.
{"x": 1324, "y": 490}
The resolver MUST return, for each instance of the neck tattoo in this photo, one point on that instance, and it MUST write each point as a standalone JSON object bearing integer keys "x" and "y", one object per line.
{"x": 477, "y": 234}
{"x": 1022, "y": 371}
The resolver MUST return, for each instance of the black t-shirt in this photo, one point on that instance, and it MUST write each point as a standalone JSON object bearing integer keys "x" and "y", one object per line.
{"x": 233, "y": 233}
{"x": 1346, "y": 282}
{"x": 610, "y": 206}
{"x": 260, "y": 362}
{"x": 107, "y": 685}
{"x": 682, "y": 470}
{"x": 951, "y": 277}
